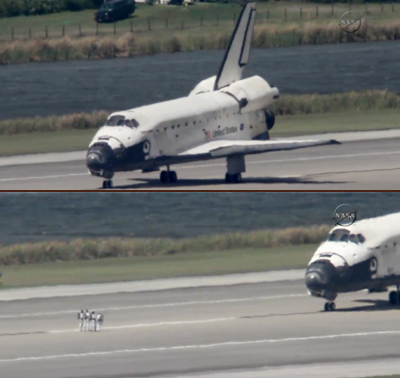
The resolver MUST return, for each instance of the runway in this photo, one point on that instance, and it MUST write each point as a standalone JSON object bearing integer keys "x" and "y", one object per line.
{"x": 362, "y": 165}
{"x": 252, "y": 330}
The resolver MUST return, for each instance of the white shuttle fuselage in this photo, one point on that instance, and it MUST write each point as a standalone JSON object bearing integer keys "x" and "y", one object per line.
{"x": 224, "y": 116}
{"x": 364, "y": 255}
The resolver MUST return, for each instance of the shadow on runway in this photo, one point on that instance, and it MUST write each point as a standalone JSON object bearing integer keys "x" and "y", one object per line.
{"x": 372, "y": 305}
{"x": 277, "y": 315}
{"x": 145, "y": 183}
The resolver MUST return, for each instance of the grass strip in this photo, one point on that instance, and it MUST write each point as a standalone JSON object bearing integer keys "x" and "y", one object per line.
{"x": 73, "y": 140}
{"x": 366, "y": 101}
{"x": 211, "y": 38}
{"x": 92, "y": 249}
{"x": 161, "y": 266}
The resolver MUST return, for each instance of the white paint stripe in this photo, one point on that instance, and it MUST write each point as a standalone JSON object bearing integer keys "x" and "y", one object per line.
{"x": 224, "y": 164}
{"x": 152, "y": 325}
{"x": 202, "y": 346}
{"x": 138, "y": 307}
{"x": 298, "y": 159}
{"x": 43, "y": 177}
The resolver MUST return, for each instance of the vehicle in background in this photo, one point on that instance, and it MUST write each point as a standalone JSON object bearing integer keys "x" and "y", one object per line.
{"x": 114, "y": 10}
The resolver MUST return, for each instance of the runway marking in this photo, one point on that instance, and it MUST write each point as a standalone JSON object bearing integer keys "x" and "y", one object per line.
{"x": 298, "y": 159}
{"x": 201, "y": 346}
{"x": 224, "y": 164}
{"x": 43, "y": 177}
{"x": 137, "y": 307}
{"x": 153, "y": 324}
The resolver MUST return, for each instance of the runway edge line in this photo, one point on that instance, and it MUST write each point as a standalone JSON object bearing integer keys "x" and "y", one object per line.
{"x": 149, "y": 285}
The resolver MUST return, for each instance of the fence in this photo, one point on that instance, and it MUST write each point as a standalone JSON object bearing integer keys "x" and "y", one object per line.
{"x": 225, "y": 20}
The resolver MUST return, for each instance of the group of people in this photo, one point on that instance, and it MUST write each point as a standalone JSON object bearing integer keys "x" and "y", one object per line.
{"x": 89, "y": 321}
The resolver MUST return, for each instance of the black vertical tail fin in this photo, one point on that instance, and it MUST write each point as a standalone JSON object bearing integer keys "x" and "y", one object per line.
{"x": 238, "y": 51}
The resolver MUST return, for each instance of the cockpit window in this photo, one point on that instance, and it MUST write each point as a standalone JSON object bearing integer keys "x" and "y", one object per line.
{"x": 343, "y": 235}
{"x": 353, "y": 238}
{"x": 131, "y": 123}
{"x": 337, "y": 235}
{"x": 361, "y": 238}
{"x": 117, "y": 120}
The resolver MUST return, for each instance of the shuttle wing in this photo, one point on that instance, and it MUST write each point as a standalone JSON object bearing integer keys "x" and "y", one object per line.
{"x": 238, "y": 51}
{"x": 226, "y": 148}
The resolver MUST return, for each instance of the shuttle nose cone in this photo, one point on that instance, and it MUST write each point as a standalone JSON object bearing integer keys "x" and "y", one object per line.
{"x": 315, "y": 281}
{"x": 100, "y": 157}
{"x": 95, "y": 161}
{"x": 321, "y": 276}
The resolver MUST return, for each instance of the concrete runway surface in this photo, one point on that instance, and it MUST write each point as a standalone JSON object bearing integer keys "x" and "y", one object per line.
{"x": 253, "y": 330}
{"x": 359, "y": 165}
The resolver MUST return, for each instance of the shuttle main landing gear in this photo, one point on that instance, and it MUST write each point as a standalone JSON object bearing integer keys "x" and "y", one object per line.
{"x": 168, "y": 176}
{"x": 236, "y": 166}
{"x": 233, "y": 178}
{"x": 330, "y": 306}
{"x": 394, "y": 297}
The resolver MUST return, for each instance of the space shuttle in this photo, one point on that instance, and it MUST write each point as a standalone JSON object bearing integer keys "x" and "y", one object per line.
{"x": 364, "y": 255}
{"x": 225, "y": 116}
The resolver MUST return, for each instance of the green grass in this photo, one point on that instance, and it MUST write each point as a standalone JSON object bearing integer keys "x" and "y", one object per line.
{"x": 140, "y": 268}
{"x": 60, "y": 141}
{"x": 211, "y": 14}
{"x": 336, "y": 122}
{"x": 73, "y": 140}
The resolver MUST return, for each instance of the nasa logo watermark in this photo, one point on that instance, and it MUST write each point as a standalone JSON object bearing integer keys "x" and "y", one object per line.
{"x": 373, "y": 265}
{"x": 350, "y": 22}
{"x": 344, "y": 215}
{"x": 146, "y": 147}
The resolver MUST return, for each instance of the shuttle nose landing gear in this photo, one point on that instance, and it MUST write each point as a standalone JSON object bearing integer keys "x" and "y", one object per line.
{"x": 330, "y": 306}
{"x": 108, "y": 184}
{"x": 168, "y": 176}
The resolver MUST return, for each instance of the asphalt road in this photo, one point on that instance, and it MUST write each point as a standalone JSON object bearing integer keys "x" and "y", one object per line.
{"x": 366, "y": 165}
{"x": 275, "y": 328}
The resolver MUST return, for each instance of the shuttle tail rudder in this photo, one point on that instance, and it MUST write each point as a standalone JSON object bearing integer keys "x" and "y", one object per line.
{"x": 238, "y": 51}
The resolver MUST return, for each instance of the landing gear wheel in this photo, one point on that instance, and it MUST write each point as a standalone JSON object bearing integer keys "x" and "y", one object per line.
{"x": 393, "y": 298}
{"x": 107, "y": 184}
{"x": 164, "y": 177}
{"x": 173, "y": 177}
{"x": 330, "y": 306}
{"x": 236, "y": 178}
